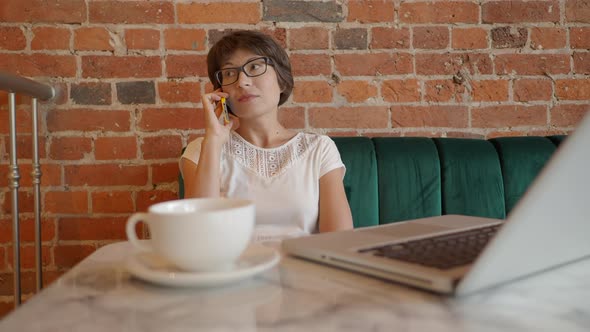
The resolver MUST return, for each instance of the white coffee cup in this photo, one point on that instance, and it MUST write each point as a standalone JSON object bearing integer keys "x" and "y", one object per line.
{"x": 197, "y": 234}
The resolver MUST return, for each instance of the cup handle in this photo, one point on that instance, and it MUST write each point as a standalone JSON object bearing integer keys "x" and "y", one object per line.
{"x": 130, "y": 229}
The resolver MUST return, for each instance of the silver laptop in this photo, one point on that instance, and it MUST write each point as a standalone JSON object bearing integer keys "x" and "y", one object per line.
{"x": 550, "y": 226}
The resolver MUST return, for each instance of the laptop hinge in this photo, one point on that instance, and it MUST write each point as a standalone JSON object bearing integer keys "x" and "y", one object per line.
{"x": 386, "y": 274}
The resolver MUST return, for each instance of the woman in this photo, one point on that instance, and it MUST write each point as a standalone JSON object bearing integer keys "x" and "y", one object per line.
{"x": 295, "y": 179}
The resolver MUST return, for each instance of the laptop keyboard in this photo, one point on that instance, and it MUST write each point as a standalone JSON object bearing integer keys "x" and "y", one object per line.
{"x": 442, "y": 252}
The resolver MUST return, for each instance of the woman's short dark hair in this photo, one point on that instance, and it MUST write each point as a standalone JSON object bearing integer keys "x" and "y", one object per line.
{"x": 257, "y": 43}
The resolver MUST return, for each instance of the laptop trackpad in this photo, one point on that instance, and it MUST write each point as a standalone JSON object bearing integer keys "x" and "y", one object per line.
{"x": 403, "y": 230}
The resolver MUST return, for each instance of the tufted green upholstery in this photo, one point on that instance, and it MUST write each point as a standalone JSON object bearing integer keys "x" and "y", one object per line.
{"x": 181, "y": 180}
{"x": 409, "y": 178}
{"x": 390, "y": 179}
{"x": 521, "y": 158}
{"x": 557, "y": 139}
{"x": 422, "y": 177}
{"x": 360, "y": 180}
{"x": 471, "y": 178}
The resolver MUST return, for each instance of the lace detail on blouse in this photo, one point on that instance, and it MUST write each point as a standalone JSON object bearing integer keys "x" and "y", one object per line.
{"x": 271, "y": 162}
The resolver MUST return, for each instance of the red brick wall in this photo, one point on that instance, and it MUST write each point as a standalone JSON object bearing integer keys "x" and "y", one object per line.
{"x": 130, "y": 75}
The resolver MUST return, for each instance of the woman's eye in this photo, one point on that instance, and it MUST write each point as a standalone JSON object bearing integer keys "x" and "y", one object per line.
{"x": 228, "y": 73}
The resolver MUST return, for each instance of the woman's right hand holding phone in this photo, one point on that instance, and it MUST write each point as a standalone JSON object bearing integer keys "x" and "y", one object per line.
{"x": 215, "y": 128}
{"x": 202, "y": 180}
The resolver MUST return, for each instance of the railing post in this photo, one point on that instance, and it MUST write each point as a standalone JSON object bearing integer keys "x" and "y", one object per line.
{"x": 17, "y": 84}
{"x": 36, "y": 176}
{"x": 14, "y": 178}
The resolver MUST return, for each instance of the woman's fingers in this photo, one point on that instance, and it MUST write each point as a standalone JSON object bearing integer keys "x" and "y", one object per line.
{"x": 212, "y": 109}
{"x": 211, "y": 104}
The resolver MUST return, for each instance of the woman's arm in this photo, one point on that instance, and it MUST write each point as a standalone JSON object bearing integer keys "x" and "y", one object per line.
{"x": 202, "y": 179}
{"x": 334, "y": 214}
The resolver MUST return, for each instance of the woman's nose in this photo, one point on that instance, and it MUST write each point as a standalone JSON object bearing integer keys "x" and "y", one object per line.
{"x": 243, "y": 79}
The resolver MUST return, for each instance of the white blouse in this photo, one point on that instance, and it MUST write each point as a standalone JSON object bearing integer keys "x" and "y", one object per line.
{"x": 283, "y": 181}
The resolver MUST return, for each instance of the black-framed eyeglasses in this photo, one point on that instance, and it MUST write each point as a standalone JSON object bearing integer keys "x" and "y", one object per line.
{"x": 252, "y": 68}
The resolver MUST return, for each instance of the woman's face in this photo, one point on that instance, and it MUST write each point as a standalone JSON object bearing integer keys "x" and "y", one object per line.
{"x": 250, "y": 97}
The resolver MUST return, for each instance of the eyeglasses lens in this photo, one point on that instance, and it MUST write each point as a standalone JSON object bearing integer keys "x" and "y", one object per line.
{"x": 252, "y": 68}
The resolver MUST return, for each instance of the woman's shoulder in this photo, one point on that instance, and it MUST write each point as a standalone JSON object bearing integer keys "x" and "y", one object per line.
{"x": 310, "y": 136}
{"x": 321, "y": 140}
{"x": 196, "y": 142}
{"x": 192, "y": 149}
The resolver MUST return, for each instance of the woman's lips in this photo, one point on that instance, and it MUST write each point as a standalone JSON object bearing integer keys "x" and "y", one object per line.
{"x": 246, "y": 98}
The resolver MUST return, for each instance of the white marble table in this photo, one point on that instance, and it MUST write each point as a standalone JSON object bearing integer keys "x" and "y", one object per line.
{"x": 99, "y": 295}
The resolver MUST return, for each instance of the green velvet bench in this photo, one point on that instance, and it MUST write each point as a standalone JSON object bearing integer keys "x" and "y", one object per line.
{"x": 390, "y": 179}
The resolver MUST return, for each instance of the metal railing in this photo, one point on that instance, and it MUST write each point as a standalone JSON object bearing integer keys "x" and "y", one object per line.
{"x": 14, "y": 84}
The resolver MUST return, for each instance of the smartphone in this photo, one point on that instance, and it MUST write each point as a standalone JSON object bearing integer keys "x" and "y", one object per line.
{"x": 225, "y": 110}
{"x": 226, "y": 105}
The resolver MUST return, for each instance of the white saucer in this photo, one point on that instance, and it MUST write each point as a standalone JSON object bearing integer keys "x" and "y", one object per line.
{"x": 149, "y": 267}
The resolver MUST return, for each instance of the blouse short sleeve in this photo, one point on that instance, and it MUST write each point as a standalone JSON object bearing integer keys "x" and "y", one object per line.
{"x": 192, "y": 152}
{"x": 330, "y": 157}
